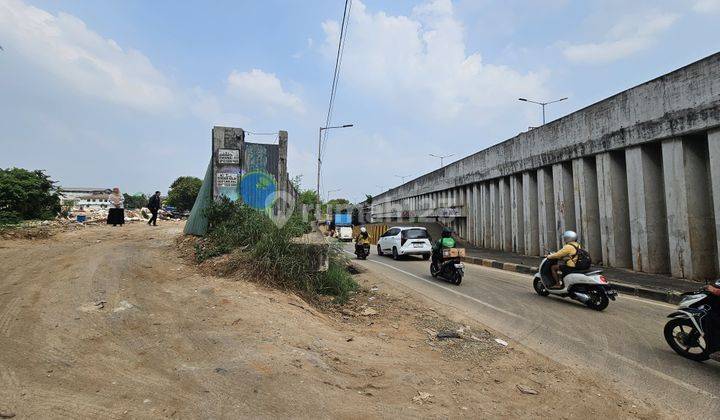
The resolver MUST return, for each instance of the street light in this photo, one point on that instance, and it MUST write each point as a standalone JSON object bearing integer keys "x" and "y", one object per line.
{"x": 442, "y": 157}
{"x": 319, "y": 158}
{"x": 542, "y": 104}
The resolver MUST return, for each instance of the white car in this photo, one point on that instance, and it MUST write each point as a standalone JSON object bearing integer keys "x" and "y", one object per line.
{"x": 398, "y": 241}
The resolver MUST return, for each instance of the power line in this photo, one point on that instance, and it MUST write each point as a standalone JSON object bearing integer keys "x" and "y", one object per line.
{"x": 336, "y": 73}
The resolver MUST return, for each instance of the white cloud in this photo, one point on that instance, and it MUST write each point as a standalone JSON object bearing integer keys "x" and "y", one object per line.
{"x": 82, "y": 60}
{"x": 707, "y": 6}
{"x": 629, "y": 36}
{"x": 419, "y": 63}
{"x": 258, "y": 89}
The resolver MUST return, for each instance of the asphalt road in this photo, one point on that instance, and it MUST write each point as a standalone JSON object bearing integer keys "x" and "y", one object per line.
{"x": 624, "y": 343}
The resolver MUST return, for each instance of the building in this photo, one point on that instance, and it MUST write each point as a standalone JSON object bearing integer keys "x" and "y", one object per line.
{"x": 637, "y": 175}
{"x": 86, "y": 198}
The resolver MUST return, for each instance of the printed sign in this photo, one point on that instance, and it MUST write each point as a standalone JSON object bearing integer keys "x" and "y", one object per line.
{"x": 227, "y": 180}
{"x": 228, "y": 156}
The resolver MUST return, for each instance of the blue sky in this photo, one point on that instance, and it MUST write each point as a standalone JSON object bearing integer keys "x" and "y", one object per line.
{"x": 125, "y": 93}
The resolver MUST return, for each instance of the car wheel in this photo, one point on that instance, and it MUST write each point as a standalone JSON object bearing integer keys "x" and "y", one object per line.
{"x": 395, "y": 254}
{"x": 379, "y": 249}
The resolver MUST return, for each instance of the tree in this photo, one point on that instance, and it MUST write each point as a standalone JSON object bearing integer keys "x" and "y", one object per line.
{"x": 26, "y": 195}
{"x": 368, "y": 199}
{"x": 183, "y": 192}
{"x": 135, "y": 201}
{"x": 308, "y": 197}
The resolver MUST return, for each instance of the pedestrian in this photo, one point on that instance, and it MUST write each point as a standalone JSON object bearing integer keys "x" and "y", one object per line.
{"x": 154, "y": 206}
{"x": 116, "y": 213}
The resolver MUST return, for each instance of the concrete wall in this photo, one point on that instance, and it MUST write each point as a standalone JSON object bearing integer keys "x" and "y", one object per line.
{"x": 637, "y": 175}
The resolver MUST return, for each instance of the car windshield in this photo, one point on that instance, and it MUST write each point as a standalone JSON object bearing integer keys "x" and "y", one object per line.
{"x": 415, "y": 234}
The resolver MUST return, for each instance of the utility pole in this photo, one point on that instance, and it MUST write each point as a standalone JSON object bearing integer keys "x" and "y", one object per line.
{"x": 319, "y": 163}
{"x": 542, "y": 104}
{"x": 442, "y": 158}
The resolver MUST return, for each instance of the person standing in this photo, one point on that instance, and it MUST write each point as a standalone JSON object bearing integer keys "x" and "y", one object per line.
{"x": 154, "y": 206}
{"x": 116, "y": 213}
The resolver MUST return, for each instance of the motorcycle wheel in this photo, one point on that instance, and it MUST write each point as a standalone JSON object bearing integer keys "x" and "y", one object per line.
{"x": 433, "y": 270}
{"x": 598, "y": 300}
{"x": 457, "y": 278}
{"x": 681, "y": 335}
{"x": 539, "y": 287}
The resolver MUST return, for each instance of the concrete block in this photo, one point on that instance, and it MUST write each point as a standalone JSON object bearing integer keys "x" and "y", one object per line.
{"x": 614, "y": 212}
{"x": 530, "y": 213}
{"x": 587, "y": 212}
{"x": 517, "y": 209}
{"x": 646, "y": 200}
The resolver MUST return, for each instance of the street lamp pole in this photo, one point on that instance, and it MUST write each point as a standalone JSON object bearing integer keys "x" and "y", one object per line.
{"x": 542, "y": 104}
{"x": 442, "y": 157}
{"x": 319, "y": 162}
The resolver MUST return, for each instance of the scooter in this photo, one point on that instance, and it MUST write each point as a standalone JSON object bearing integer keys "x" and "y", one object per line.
{"x": 362, "y": 250}
{"x": 587, "y": 286}
{"x": 691, "y": 332}
{"x": 451, "y": 269}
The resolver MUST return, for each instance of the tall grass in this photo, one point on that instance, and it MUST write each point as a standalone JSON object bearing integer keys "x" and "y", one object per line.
{"x": 273, "y": 257}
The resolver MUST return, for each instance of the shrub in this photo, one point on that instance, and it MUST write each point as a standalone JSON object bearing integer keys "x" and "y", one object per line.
{"x": 275, "y": 258}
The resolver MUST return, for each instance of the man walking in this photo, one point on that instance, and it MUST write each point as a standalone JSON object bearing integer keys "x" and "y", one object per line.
{"x": 154, "y": 206}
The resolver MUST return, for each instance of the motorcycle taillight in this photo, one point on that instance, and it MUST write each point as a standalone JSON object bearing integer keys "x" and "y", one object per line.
{"x": 603, "y": 279}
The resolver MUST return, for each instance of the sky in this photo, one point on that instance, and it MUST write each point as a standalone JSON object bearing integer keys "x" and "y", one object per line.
{"x": 125, "y": 93}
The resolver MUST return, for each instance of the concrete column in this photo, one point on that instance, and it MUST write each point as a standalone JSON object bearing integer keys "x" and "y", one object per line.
{"x": 487, "y": 219}
{"x": 469, "y": 213}
{"x": 530, "y": 213}
{"x": 587, "y": 211}
{"x": 646, "y": 199}
{"x": 546, "y": 210}
{"x": 564, "y": 199}
{"x": 495, "y": 215}
{"x": 516, "y": 203}
{"x": 614, "y": 213}
{"x": 505, "y": 214}
{"x": 476, "y": 214}
{"x": 714, "y": 159}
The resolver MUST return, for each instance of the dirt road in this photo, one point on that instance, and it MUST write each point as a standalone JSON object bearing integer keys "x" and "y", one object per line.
{"x": 112, "y": 323}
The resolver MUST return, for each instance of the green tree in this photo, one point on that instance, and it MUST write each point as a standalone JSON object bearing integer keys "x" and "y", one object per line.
{"x": 135, "y": 201}
{"x": 183, "y": 192}
{"x": 26, "y": 195}
{"x": 308, "y": 197}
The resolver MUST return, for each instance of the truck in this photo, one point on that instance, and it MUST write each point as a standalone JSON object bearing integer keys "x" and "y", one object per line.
{"x": 343, "y": 226}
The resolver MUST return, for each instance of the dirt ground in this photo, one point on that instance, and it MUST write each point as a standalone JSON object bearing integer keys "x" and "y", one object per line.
{"x": 114, "y": 323}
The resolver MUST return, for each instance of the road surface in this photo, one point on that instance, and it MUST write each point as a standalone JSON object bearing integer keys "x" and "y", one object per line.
{"x": 624, "y": 343}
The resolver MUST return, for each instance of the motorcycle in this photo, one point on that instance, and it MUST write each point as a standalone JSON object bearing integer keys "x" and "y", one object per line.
{"x": 586, "y": 286}
{"x": 362, "y": 250}
{"x": 450, "y": 266}
{"x": 693, "y": 332}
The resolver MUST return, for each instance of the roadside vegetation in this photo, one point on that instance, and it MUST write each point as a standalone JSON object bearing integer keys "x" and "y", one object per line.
{"x": 269, "y": 253}
{"x": 27, "y": 195}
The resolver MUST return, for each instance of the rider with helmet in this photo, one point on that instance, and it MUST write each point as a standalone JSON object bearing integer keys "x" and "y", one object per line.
{"x": 446, "y": 241}
{"x": 565, "y": 258}
{"x": 363, "y": 237}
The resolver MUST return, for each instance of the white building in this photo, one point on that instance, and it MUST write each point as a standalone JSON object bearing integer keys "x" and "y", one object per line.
{"x": 86, "y": 198}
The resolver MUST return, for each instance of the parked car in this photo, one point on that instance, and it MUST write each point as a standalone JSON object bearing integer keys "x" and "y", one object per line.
{"x": 398, "y": 241}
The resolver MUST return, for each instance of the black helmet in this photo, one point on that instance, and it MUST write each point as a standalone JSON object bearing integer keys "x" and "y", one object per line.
{"x": 446, "y": 232}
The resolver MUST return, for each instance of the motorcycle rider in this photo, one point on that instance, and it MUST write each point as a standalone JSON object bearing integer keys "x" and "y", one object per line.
{"x": 363, "y": 238}
{"x": 446, "y": 241}
{"x": 564, "y": 259}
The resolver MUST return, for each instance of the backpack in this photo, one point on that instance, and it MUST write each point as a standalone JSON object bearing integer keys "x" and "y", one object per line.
{"x": 582, "y": 258}
{"x": 447, "y": 242}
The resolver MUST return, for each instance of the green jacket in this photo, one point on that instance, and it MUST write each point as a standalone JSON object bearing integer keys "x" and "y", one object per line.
{"x": 441, "y": 243}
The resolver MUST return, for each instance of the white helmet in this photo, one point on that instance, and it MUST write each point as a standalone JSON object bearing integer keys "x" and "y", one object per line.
{"x": 569, "y": 236}
{"x": 362, "y": 229}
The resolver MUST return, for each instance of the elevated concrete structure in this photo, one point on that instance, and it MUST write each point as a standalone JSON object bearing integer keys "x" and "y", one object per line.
{"x": 637, "y": 175}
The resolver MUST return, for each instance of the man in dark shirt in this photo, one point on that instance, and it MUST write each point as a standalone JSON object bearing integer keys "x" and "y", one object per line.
{"x": 154, "y": 206}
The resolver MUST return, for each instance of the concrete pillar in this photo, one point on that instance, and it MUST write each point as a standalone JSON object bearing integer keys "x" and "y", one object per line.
{"x": 516, "y": 203}
{"x": 690, "y": 210}
{"x": 469, "y": 213}
{"x": 646, "y": 199}
{"x": 564, "y": 199}
{"x": 714, "y": 159}
{"x": 546, "y": 211}
{"x": 587, "y": 211}
{"x": 486, "y": 215}
{"x": 477, "y": 229}
{"x": 530, "y": 213}
{"x": 505, "y": 214}
{"x": 614, "y": 213}
{"x": 494, "y": 216}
